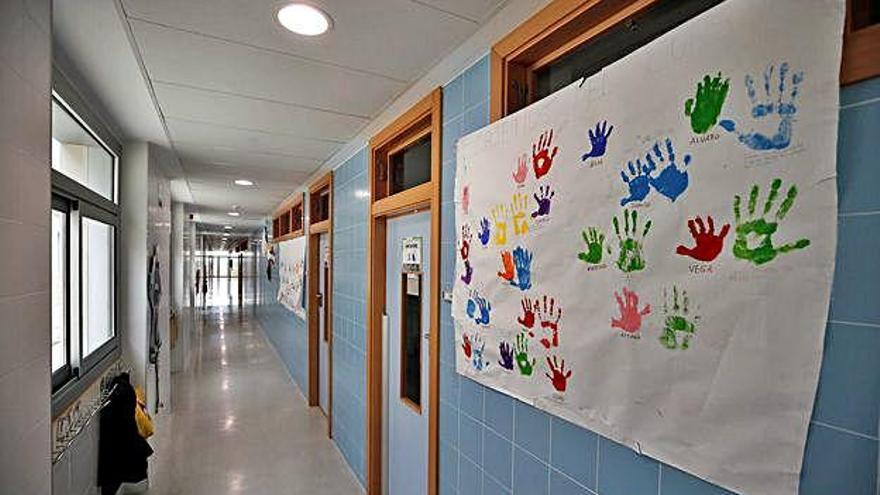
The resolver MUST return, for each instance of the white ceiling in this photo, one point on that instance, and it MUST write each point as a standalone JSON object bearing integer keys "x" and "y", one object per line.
{"x": 240, "y": 97}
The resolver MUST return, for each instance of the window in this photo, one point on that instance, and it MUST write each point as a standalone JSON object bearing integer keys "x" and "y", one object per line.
{"x": 411, "y": 340}
{"x": 861, "y": 41}
{"x": 84, "y": 222}
{"x": 411, "y": 166}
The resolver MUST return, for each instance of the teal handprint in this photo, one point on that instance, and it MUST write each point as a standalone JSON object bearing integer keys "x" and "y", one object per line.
{"x": 630, "y": 243}
{"x": 678, "y": 321}
{"x": 595, "y": 241}
{"x": 754, "y": 236}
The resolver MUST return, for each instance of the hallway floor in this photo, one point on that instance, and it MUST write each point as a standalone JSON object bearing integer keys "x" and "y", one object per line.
{"x": 238, "y": 425}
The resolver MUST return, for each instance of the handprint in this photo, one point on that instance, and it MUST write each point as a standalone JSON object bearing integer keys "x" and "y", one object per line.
{"x": 522, "y": 356}
{"x": 527, "y": 319}
{"x": 479, "y": 347}
{"x": 466, "y": 237}
{"x": 522, "y": 260}
{"x": 630, "y": 258}
{"x": 638, "y": 180}
{"x": 471, "y": 308}
{"x": 595, "y": 241}
{"x": 549, "y": 315}
{"x": 485, "y": 307}
{"x": 506, "y": 360}
{"x": 677, "y": 321}
{"x": 560, "y": 377}
{"x": 780, "y": 137}
{"x": 522, "y": 170}
{"x": 508, "y": 269}
{"x": 518, "y": 206}
{"x": 630, "y": 319}
{"x": 543, "y": 199}
{"x": 708, "y": 243}
{"x": 466, "y": 346}
{"x": 465, "y": 199}
{"x": 542, "y": 157}
{"x": 499, "y": 218}
{"x": 704, "y": 112}
{"x": 468, "y": 273}
{"x": 484, "y": 232}
{"x": 598, "y": 140}
{"x": 672, "y": 181}
{"x": 754, "y": 237}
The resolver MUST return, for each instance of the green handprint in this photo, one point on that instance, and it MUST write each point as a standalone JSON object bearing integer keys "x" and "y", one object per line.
{"x": 758, "y": 230}
{"x": 677, "y": 321}
{"x": 595, "y": 241}
{"x": 630, "y": 257}
{"x": 522, "y": 356}
{"x": 711, "y": 93}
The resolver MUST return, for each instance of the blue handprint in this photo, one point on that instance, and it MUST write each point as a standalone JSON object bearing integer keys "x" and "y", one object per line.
{"x": 506, "y": 360}
{"x": 484, "y": 233}
{"x": 638, "y": 180}
{"x": 522, "y": 260}
{"x": 598, "y": 140}
{"x": 762, "y": 109}
{"x": 672, "y": 180}
{"x": 471, "y": 308}
{"x": 485, "y": 307}
{"x": 479, "y": 347}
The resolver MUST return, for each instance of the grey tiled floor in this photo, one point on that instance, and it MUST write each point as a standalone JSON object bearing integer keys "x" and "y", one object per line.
{"x": 238, "y": 425}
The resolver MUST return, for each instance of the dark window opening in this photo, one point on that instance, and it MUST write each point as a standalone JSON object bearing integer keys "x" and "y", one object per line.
{"x": 320, "y": 203}
{"x": 411, "y": 166}
{"x": 864, "y": 13}
{"x": 410, "y": 339}
{"x": 603, "y": 50}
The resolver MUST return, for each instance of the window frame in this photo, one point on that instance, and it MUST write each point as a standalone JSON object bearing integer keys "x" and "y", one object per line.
{"x": 63, "y": 374}
{"x": 83, "y": 202}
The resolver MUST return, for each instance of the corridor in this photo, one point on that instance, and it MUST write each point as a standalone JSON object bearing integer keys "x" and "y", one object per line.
{"x": 238, "y": 425}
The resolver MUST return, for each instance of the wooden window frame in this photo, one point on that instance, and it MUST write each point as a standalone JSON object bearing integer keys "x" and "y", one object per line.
{"x": 316, "y": 229}
{"x": 287, "y": 219}
{"x": 425, "y": 113}
{"x": 565, "y": 25}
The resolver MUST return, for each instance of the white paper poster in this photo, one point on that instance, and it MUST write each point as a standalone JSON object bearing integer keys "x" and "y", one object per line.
{"x": 291, "y": 275}
{"x": 649, "y": 253}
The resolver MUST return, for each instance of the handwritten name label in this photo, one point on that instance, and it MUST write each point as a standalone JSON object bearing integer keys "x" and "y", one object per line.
{"x": 701, "y": 268}
{"x": 593, "y": 268}
{"x": 595, "y": 162}
{"x": 632, "y": 336}
{"x": 706, "y": 138}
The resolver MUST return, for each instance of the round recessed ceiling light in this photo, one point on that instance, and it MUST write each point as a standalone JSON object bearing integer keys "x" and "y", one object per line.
{"x": 304, "y": 19}
{"x": 244, "y": 182}
{"x": 233, "y": 213}
{"x": 227, "y": 227}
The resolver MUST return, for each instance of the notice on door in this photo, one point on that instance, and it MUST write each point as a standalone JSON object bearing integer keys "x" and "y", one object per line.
{"x": 412, "y": 254}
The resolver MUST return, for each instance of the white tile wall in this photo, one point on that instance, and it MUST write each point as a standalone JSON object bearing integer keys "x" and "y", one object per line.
{"x": 25, "y": 61}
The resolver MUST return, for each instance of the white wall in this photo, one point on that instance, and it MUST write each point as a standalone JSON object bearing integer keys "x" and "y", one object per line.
{"x": 25, "y": 60}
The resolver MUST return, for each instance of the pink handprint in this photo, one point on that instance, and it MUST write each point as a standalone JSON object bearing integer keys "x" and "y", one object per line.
{"x": 465, "y": 199}
{"x": 630, "y": 320}
{"x": 522, "y": 170}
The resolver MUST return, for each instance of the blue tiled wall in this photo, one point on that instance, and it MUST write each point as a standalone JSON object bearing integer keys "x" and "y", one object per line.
{"x": 350, "y": 210}
{"x": 492, "y": 444}
{"x": 287, "y": 333}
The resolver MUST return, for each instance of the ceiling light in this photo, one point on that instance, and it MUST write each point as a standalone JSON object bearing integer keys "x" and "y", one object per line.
{"x": 244, "y": 182}
{"x": 233, "y": 213}
{"x": 304, "y": 19}
{"x": 227, "y": 227}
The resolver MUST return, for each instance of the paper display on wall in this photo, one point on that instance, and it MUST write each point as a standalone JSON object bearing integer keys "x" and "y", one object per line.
{"x": 648, "y": 253}
{"x": 291, "y": 275}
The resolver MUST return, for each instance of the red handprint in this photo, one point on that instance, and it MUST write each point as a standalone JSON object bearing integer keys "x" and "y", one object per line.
{"x": 528, "y": 318}
{"x": 542, "y": 157}
{"x": 708, "y": 244}
{"x": 630, "y": 320}
{"x": 509, "y": 270}
{"x": 549, "y": 314}
{"x": 466, "y": 346}
{"x": 465, "y": 248}
{"x": 522, "y": 170}
{"x": 560, "y": 376}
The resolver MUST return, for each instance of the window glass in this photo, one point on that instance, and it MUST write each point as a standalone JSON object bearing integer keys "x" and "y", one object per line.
{"x": 411, "y": 166}
{"x": 97, "y": 284}
{"x": 78, "y": 155}
{"x": 59, "y": 289}
{"x": 411, "y": 336}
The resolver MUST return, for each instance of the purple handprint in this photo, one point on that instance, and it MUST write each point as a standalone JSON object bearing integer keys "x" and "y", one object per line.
{"x": 598, "y": 140}
{"x": 484, "y": 234}
{"x": 506, "y": 360}
{"x": 543, "y": 198}
{"x": 468, "y": 272}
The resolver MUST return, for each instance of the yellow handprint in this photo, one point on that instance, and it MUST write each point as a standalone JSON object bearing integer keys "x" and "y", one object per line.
{"x": 518, "y": 205}
{"x": 500, "y": 214}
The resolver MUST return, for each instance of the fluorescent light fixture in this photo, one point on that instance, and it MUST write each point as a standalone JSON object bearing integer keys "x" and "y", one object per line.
{"x": 304, "y": 19}
{"x": 233, "y": 213}
{"x": 244, "y": 182}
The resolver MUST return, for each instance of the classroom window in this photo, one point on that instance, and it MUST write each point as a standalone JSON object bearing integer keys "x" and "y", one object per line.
{"x": 79, "y": 155}
{"x": 98, "y": 246}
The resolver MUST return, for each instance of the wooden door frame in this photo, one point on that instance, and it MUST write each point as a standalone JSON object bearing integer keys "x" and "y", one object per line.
{"x": 316, "y": 229}
{"x": 419, "y": 198}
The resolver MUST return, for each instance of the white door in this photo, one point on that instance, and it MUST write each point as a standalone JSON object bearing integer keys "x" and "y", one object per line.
{"x": 407, "y": 308}
{"x": 323, "y": 338}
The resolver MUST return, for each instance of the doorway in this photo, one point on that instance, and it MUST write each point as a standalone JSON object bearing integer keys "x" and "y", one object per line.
{"x": 320, "y": 297}
{"x": 323, "y": 336}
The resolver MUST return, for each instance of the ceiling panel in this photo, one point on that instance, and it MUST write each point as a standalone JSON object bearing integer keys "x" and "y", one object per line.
{"x": 247, "y": 113}
{"x": 186, "y": 133}
{"x": 182, "y": 58}
{"x": 245, "y": 162}
{"x": 364, "y": 33}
